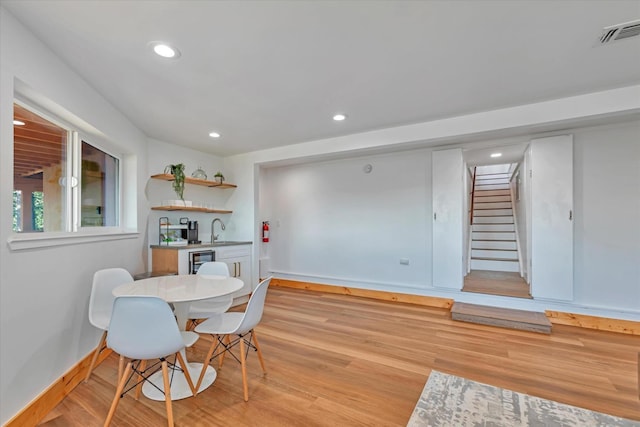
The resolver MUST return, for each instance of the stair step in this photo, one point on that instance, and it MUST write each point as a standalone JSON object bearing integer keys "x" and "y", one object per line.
{"x": 494, "y": 227}
{"x": 491, "y": 205}
{"x": 493, "y": 212}
{"x": 485, "y": 199}
{"x": 495, "y": 265}
{"x": 486, "y": 181}
{"x": 483, "y": 193}
{"x": 494, "y": 244}
{"x": 501, "y": 317}
{"x": 492, "y": 187}
{"x": 493, "y": 235}
{"x": 495, "y": 254}
{"x": 493, "y": 175}
{"x": 492, "y": 220}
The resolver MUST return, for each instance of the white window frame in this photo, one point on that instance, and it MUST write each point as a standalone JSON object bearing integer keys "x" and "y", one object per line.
{"x": 74, "y": 233}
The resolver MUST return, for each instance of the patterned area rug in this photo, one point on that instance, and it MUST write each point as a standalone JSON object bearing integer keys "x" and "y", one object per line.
{"x": 450, "y": 401}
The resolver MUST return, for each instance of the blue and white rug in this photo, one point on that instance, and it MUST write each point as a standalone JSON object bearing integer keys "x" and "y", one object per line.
{"x": 450, "y": 401}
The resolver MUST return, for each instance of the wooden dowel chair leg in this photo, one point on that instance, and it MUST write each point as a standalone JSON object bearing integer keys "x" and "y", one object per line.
{"x": 255, "y": 342}
{"x": 96, "y": 352}
{"x": 141, "y": 368}
{"x": 121, "y": 383}
{"x": 120, "y": 367}
{"x": 167, "y": 393}
{"x": 205, "y": 364}
{"x": 187, "y": 374}
{"x": 245, "y": 387}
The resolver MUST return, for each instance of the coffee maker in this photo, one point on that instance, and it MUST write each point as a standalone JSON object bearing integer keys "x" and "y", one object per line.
{"x": 190, "y": 234}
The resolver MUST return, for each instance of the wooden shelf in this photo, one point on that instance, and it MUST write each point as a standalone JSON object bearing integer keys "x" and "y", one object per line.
{"x": 189, "y": 209}
{"x": 188, "y": 180}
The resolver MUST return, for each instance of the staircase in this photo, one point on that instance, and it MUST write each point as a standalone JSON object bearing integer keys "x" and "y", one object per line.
{"x": 493, "y": 234}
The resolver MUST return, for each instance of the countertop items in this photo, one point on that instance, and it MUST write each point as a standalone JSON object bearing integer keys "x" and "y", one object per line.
{"x": 202, "y": 245}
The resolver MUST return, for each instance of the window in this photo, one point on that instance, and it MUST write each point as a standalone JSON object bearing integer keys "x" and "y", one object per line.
{"x": 61, "y": 182}
{"x": 99, "y": 186}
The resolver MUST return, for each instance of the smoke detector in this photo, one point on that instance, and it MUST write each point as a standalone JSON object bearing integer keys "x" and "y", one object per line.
{"x": 618, "y": 32}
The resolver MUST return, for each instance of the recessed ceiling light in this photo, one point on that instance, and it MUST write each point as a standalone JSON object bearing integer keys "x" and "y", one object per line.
{"x": 18, "y": 123}
{"x": 164, "y": 50}
{"x": 214, "y": 135}
{"x": 339, "y": 117}
{"x": 496, "y": 154}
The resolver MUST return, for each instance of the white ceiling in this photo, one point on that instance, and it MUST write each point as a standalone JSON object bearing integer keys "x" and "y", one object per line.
{"x": 271, "y": 73}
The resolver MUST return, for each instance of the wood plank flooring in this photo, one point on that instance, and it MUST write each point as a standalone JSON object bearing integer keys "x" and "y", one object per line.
{"x": 335, "y": 360}
{"x": 503, "y": 283}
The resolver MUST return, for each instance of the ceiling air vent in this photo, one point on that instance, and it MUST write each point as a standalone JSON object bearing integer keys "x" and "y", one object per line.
{"x": 620, "y": 32}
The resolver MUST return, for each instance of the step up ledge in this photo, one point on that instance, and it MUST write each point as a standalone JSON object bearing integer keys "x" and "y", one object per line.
{"x": 502, "y": 323}
{"x": 501, "y": 317}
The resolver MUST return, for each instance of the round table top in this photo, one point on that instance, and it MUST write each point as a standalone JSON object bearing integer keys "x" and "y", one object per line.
{"x": 182, "y": 288}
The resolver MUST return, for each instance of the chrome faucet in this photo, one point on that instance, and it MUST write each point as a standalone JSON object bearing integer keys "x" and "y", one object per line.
{"x": 214, "y": 236}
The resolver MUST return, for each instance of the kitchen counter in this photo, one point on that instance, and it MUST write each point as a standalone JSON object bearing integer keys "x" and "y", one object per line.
{"x": 201, "y": 245}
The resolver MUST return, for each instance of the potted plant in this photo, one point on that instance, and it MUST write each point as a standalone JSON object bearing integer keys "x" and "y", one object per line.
{"x": 178, "y": 178}
{"x": 219, "y": 177}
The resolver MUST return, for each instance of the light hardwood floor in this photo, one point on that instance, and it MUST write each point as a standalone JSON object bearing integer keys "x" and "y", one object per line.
{"x": 335, "y": 360}
{"x": 496, "y": 283}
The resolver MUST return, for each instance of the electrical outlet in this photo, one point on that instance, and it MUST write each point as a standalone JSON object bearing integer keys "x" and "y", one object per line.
{"x": 404, "y": 261}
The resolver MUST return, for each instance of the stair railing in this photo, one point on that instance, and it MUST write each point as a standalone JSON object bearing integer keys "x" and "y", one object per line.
{"x": 470, "y": 240}
{"x": 473, "y": 195}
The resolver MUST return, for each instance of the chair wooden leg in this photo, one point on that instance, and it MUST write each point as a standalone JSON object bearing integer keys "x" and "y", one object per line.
{"x": 167, "y": 393}
{"x": 141, "y": 368}
{"x": 120, "y": 367}
{"x": 255, "y": 342}
{"x": 187, "y": 374}
{"x": 121, "y": 383}
{"x": 96, "y": 352}
{"x": 205, "y": 364}
{"x": 245, "y": 388}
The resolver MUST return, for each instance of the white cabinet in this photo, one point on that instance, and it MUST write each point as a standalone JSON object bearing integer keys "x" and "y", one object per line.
{"x": 238, "y": 258}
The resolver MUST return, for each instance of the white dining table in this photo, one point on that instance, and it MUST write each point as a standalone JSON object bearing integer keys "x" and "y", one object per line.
{"x": 181, "y": 291}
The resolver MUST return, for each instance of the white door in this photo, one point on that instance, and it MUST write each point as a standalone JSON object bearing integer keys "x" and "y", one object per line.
{"x": 448, "y": 218}
{"x": 552, "y": 217}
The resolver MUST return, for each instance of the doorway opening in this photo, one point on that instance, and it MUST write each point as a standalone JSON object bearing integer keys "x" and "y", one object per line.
{"x": 495, "y": 258}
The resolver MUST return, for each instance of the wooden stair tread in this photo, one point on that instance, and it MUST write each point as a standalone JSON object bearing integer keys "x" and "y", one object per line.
{"x": 494, "y": 249}
{"x": 494, "y": 259}
{"x": 502, "y": 317}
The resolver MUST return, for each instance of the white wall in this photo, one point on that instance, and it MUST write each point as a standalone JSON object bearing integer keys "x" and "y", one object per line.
{"x": 44, "y": 293}
{"x": 331, "y": 221}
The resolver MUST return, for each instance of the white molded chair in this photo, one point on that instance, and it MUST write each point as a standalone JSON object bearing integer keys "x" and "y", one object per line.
{"x": 144, "y": 328}
{"x": 101, "y": 303}
{"x": 209, "y": 307}
{"x": 222, "y": 325}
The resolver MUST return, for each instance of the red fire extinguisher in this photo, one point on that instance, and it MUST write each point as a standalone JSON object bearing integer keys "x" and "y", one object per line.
{"x": 265, "y": 231}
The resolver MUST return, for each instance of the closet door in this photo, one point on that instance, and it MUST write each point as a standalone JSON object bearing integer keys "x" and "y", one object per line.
{"x": 448, "y": 222}
{"x": 552, "y": 217}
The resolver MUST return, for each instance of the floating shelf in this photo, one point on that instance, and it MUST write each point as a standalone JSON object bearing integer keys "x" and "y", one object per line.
{"x": 188, "y": 180}
{"x": 190, "y": 209}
